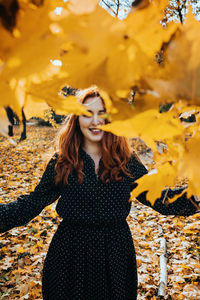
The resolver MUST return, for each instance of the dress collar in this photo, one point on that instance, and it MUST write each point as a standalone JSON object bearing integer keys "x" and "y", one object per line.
{"x": 89, "y": 159}
{"x": 84, "y": 153}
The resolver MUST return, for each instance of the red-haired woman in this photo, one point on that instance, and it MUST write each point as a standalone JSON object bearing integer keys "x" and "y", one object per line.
{"x": 91, "y": 256}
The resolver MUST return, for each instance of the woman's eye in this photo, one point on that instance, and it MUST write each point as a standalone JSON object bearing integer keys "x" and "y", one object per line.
{"x": 100, "y": 113}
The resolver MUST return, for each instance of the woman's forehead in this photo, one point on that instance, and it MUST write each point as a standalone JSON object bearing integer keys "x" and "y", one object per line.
{"x": 93, "y": 102}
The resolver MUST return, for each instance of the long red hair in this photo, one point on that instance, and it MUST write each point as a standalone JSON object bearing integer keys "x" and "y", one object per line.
{"x": 116, "y": 150}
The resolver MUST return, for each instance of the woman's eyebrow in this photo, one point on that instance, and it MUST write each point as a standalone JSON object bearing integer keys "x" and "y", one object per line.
{"x": 101, "y": 110}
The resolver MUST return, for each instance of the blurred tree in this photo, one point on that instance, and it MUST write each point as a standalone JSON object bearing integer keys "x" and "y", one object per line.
{"x": 177, "y": 9}
{"x": 8, "y": 13}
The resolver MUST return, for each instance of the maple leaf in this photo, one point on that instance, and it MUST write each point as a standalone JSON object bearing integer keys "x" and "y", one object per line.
{"x": 164, "y": 175}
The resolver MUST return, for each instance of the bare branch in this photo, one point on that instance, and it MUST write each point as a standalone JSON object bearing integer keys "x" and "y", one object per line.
{"x": 118, "y": 6}
{"x": 108, "y": 6}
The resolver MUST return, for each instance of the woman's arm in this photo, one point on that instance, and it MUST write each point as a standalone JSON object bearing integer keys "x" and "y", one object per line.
{"x": 182, "y": 206}
{"x": 28, "y": 206}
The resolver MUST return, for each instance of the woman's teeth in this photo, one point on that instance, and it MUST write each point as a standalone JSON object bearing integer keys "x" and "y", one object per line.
{"x": 95, "y": 130}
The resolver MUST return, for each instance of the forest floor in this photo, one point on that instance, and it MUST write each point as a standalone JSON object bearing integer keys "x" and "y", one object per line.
{"x": 23, "y": 249}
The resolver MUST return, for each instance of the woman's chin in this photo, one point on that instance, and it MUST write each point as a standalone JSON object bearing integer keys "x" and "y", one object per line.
{"x": 96, "y": 138}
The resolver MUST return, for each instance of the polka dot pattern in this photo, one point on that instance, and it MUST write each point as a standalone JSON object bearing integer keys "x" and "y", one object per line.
{"x": 91, "y": 256}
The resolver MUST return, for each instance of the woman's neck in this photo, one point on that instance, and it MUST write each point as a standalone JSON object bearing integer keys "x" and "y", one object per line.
{"x": 92, "y": 148}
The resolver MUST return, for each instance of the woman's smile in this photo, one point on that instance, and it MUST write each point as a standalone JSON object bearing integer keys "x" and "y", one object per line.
{"x": 95, "y": 131}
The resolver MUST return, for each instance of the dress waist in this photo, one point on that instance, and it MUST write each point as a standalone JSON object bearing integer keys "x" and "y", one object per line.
{"x": 94, "y": 224}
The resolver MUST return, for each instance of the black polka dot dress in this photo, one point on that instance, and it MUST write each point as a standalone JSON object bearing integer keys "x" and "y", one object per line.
{"x": 91, "y": 256}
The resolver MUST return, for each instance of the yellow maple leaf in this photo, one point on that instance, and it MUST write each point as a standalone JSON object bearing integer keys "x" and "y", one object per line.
{"x": 164, "y": 176}
{"x": 149, "y": 125}
{"x": 21, "y": 250}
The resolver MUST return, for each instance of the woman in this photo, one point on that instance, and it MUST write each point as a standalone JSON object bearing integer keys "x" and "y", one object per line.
{"x": 91, "y": 256}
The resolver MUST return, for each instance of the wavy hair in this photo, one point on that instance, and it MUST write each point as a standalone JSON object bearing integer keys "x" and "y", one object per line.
{"x": 116, "y": 150}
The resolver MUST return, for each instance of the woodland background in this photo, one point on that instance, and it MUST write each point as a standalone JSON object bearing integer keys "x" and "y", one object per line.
{"x": 144, "y": 57}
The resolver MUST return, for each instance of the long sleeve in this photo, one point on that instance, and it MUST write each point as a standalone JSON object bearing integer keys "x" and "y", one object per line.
{"x": 28, "y": 206}
{"x": 182, "y": 206}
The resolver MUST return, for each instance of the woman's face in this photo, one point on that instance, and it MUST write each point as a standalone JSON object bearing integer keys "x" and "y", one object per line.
{"x": 88, "y": 123}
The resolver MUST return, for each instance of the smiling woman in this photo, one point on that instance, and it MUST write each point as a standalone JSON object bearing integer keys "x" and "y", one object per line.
{"x": 83, "y": 132}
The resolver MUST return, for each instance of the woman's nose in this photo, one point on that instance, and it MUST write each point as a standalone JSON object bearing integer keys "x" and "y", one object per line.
{"x": 96, "y": 120}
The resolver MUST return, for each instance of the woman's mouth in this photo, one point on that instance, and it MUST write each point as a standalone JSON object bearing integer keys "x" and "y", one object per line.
{"x": 95, "y": 130}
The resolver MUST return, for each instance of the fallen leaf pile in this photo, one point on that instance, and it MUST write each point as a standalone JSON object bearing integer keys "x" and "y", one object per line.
{"x": 23, "y": 249}
{"x": 183, "y": 252}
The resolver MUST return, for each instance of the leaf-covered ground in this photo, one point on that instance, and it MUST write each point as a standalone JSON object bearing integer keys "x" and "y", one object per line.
{"x": 23, "y": 249}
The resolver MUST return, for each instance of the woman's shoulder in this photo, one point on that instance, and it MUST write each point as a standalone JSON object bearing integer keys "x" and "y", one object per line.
{"x": 51, "y": 160}
{"x": 136, "y": 167}
{"x": 55, "y": 156}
